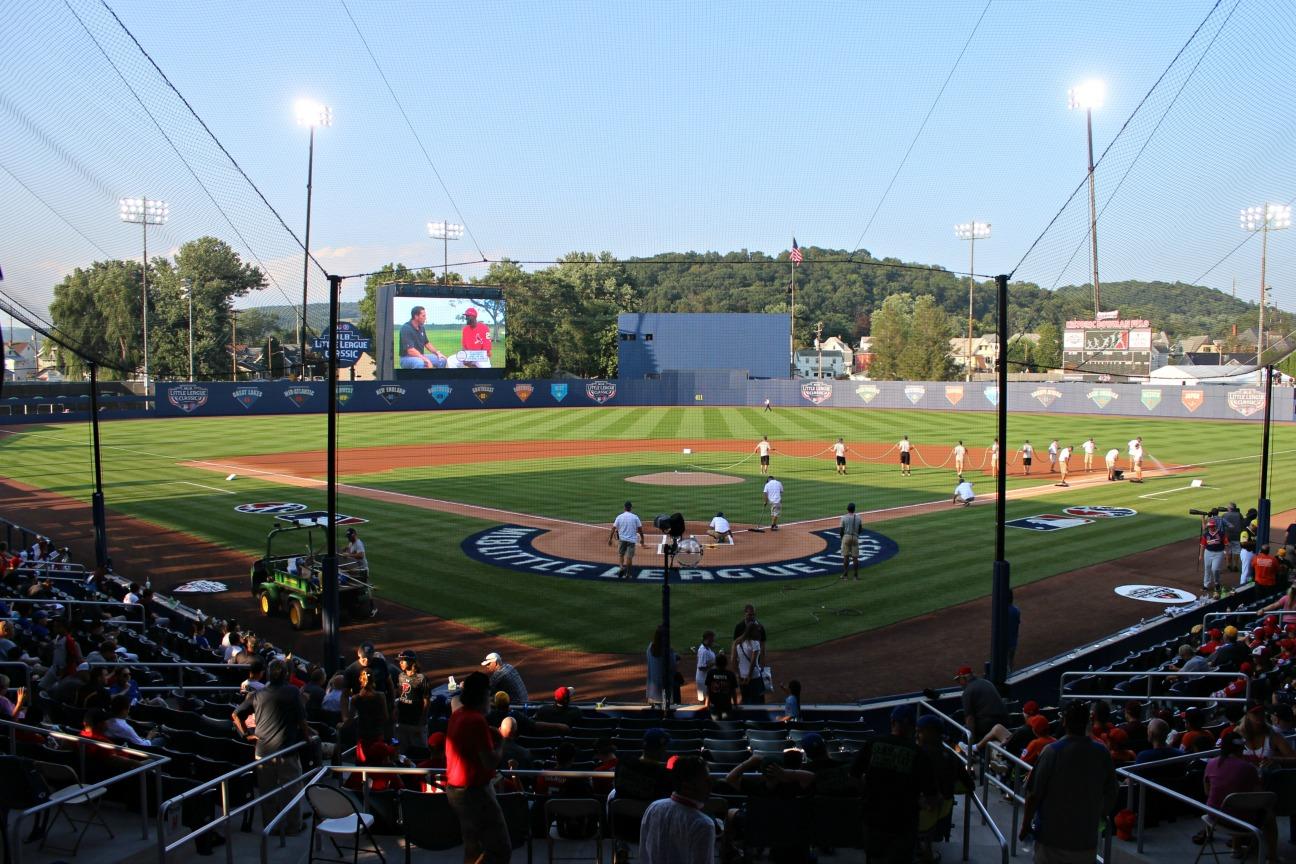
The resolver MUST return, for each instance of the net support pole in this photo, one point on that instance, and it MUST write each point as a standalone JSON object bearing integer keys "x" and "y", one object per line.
{"x": 1263, "y": 508}
{"x": 97, "y": 512}
{"x": 1000, "y": 585}
{"x": 667, "y": 670}
{"x": 330, "y": 598}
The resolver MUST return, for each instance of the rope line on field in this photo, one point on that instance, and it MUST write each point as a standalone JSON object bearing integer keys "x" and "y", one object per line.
{"x": 723, "y": 467}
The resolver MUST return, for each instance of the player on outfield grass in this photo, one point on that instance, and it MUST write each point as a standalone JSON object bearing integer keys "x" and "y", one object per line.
{"x": 994, "y": 457}
{"x": 839, "y": 452}
{"x": 960, "y": 453}
{"x": 763, "y": 447}
{"x": 905, "y": 449}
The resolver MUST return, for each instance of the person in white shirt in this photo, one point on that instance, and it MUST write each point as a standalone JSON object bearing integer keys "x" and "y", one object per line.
{"x": 118, "y": 728}
{"x": 626, "y": 528}
{"x": 1136, "y": 459}
{"x": 1027, "y": 454}
{"x": 767, "y": 405}
{"x": 1113, "y": 455}
{"x": 839, "y": 453}
{"x": 1089, "y": 448}
{"x": 676, "y": 829}
{"x": 355, "y": 549}
{"x": 905, "y": 449}
{"x": 994, "y": 457}
{"x": 1064, "y": 463}
{"x": 720, "y": 529}
{"x": 963, "y": 493}
{"x": 132, "y": 595}
{"x": 960, "y": 453}
{"x": 705, "y": 663}
{"x": 1053, "y": 456}
{"x": 773, "y": 495}
{"x": 763, "y": 448}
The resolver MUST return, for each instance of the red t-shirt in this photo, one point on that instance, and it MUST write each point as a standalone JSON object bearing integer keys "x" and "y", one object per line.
{"x": 1265, "y": 568}
{"x": 476, "y": 337}
{"x": 467, "y": 737}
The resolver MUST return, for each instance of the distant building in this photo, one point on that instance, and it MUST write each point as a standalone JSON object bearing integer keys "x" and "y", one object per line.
{"x": 863, "y": 356}
{"x": 20, "y": 361}
{"x": 833, "y": 359}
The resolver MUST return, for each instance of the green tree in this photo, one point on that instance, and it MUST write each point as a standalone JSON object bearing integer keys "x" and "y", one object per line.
{"x": 98, "y": 312}
{"x": 891, "y": 327}
{"x": 926, "y": 355}
{"x": 1048, "y": 351}
{"x": 388, "y": 273}
{"x": 1021, "y": 354}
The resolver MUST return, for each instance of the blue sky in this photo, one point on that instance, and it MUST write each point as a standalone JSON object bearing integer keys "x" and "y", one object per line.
{"x": 643, "y": 128}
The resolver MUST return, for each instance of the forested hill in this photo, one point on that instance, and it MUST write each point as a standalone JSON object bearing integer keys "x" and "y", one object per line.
{"x": 842, "y": 294}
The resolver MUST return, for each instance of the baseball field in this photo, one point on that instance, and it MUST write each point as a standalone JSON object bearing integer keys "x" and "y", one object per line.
{"x": 427, "y": 481}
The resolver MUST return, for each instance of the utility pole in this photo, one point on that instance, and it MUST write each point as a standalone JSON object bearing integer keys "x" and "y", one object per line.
{"x": 819, "y": 346}
{"x": 234, "y": 344}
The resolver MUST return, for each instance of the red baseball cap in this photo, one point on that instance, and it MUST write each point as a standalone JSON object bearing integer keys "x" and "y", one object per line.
{"x": 1215, "y": 633}
{"x": 1031, "y": 707}
{"x": 963, "y": 672}
{"x": 562, "y": 694}
{"x": 1038, "y": 723}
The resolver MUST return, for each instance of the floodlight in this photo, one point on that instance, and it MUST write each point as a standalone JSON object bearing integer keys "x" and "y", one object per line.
{"x": 972, "y": 230}
{"x": 444, "y": 230}
{"x": 312, "y": 113}
{"x": 144, "y": 211}
{"x": 1271, "y": 217}
{"x": 1088, "y": 95}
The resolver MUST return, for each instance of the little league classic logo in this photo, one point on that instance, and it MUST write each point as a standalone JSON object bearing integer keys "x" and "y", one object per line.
{"x": 558, "y": 392}
{"x": 523, "y": 391}
{"x": 1150, "y": 399}
{"x": 1048, "y": 522}
{"x": 1192, "y": 399}
{"x": 391, "y": 393}
{"x": 867, "y": 392}
{"x": 953, "y": 393}
{"x": 187, "y": 397}
{"x": 483, "y": 392}
{"x": 201, "y": 586}
{"x": 816, "y": 392}
{"x": 299, "y": 396}
{"x": 270, "y": 508}
{"x": 1046, "y": 396}
{"x": 1100, "y": 511}
{"x": 1102, "y": 396}
{"x": 1155, "y": 593}
{"x": 440, "y": 392}
{"x": 247, "y": 396}
{"x": 600, "y": 391}
{"x": 914, "y": 393}
{"x": 1246, "y": 401}
{"x": 512, "y": 547}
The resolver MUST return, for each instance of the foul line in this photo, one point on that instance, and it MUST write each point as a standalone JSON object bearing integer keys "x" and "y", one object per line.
{"x": 1179, "y": 489}
{"x": 200, "y": 486}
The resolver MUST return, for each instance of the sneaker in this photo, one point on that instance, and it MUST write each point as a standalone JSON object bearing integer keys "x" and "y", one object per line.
{"x": 773, "y": 527}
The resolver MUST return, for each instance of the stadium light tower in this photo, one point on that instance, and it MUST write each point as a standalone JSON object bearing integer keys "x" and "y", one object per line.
{"x": 445, "y": 232}
{"x": 143, "y": 212}
{"x": 971, "y": 232}
{"x": 309, "y": 113}
{"x": 1089, "y": 96}
{"x": 1264, "y": 218}
{"x": 186, "y": 285}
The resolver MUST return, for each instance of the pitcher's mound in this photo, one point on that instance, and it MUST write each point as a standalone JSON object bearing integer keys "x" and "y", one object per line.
{"x": 683, "y": 478}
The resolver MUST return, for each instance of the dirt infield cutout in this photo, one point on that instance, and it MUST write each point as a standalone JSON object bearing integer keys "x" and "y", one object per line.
{"x": 684, "y": 478}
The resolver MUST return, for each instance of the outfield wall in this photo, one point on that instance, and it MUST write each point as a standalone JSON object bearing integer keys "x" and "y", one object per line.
{"x": 1213, "y": 402}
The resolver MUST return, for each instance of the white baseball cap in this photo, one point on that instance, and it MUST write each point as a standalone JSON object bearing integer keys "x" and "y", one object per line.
{"x": 492, "y": 658}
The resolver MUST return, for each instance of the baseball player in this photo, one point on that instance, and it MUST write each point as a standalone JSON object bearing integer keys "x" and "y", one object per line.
{"x": 1136, "y": 459}
{"x": 905, "y": 449}
{"x": 763, "y": 447}
{"x": 475, "y": 336}
{"x": 1089, "y": 447}
{"x": 1053, "y": 456}
{"x": 773, "y": 495}
{"x": 768, "y": 409}
{"x": 626, "y": 528}
{"x": 839, "y": 453}
{"x": 1064, "y": 463}
{"x": 960, "y": 453}
{"x": 1113, "y": 456}
{"x": 1027, "y": 454}
{"x": 994, "y": 457}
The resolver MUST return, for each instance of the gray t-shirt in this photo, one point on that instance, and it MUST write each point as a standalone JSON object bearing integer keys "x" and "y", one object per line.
{"x": 850, "y": 525}
{"x": 279, "y": 717}
{"x": 1076, "y": 785}
{"x": 1232, "y": 524}
{"x": 981, "y": 700}
{"x": 412, "y": 337}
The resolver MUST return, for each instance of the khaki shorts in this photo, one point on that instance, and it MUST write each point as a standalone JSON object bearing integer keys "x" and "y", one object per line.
{"x": 776, "y": 508}
{"x": 627, "y": 549}
{"x": 850, "y": 546}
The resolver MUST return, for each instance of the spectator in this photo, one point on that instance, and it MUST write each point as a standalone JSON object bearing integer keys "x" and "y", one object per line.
{"x": 280, "y": 723}
{"x": 132, "y": 596}
{"x": 411, "y": 702}
{"x": 1100, "y": 722}
{"x": 1134, "y": 727}
{"x": 1284, "y": 605}
{"x": 792, "y": 704}
{"x": 705, "y": 663}
{"x": 645, "y": 778}
{"x": 366, "y": 711}
{"x": 1071, "y": 789}
{"x": 749, "y": 617}
{"x": 1189, "y": 661}
{"x": 198, "y": 635}
{"x": 952, "y": 777}
{"x": 473, "y": 750}
{"x": 1195, "y": 738}
{"x": 675, "y": 829}
{"x": 1261, "y": 743}
{"x": 982, "y": 705}
{"x": 499, "y": 709}
{"x": 255, "y": 677}
{"x": 560, "y": 711}
{"x": 1118, "y": 747}
{"x": 605, "y": 759}
{"x": 662, "y": 662}
{"x": 898, "y": 779}
{"x": 503, "y": 676}
{"x": 1158, "y": 732}
{"x": 758, "y": 777}
{"x": 1230, "y": 772}
{"x": 123, "y": 682}
{"x": 749, "y": 659}
{"x": 9, "y": 649}
{"x": 314, "y": 691}
{"x": 1284, "y": 719}
{"x": 234, "y": 651}
{"x": 1039, "y": 727}
{"x": 118, "y": 727}
{"x": 832, "y": 778}
{"x": 11, "y": 709}
{"x": 1232, "y": 654}
{"x": 335, "y": 696}
{"x": 514, "y": 755}
{"x": 93, "y": 692}
{"x": 721, "y": 689}
{"x": 1013, "y": 740}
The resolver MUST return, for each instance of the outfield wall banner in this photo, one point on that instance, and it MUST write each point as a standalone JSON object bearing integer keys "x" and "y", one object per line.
{"x": 722, "y": 388}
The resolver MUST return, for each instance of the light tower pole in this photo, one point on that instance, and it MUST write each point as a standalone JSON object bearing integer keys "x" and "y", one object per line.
{"x": 1089, "y": 96}
{"x": 1264, "y": 218}
{"x": 143, "y": 212}
{"x": 971, "y": 232}
{"x": 311, "y": 114}
{"x": 445, "y": 232}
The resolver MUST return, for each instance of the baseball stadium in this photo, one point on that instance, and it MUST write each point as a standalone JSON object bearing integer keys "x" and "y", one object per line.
{"x": 853, "y": 553}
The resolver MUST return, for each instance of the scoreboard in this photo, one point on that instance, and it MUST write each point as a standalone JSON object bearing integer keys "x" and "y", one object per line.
{"x": 1112, "y": 348}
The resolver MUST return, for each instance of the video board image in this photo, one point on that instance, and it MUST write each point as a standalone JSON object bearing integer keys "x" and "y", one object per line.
{"x": 431, "y": 334}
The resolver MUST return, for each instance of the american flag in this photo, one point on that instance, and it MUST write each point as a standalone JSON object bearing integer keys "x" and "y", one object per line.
{"x": 796, "y": 252}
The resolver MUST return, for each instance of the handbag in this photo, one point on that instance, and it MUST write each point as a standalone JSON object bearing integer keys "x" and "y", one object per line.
{"x": 767, "y": 678}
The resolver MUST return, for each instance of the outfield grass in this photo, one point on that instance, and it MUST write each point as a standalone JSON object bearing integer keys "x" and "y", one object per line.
{"x": 945, "y": 557}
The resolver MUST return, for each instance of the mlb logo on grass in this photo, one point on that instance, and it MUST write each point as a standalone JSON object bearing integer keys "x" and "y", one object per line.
{"x": 1048, "y": 522}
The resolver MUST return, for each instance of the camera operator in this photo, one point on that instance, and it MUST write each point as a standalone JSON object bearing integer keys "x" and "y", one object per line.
{"x": 1212, "y": 547}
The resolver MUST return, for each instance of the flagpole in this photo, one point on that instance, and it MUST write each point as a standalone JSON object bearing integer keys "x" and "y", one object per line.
{"x": 792, "y": 332}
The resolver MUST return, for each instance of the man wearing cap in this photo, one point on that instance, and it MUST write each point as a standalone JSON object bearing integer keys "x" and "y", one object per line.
{"x": 850, "y": 534}
{"x": 982, "y": 705}
{"x": 772, "y": 494}
{"x": 1071, "y": 789}
{"x": 1231, "y": 520}
{"x": 963, "y": 493}
{"x": 720, "y": 530}
{"x": 355, "y": 549}
{"x": 504, "y": 677}
{"x": 626, "y": 529}
{"x": 1229, "y": 656}
{"x": 676, "y": 829}
{"x": 411, "y": 702}
{"x": 1265, "y": 568}
{"x": 416, "y": 352}
{"x": 897, "y": 779}
{"x": 560, "y": 710}
{"x": 475, "y": 336}
{"x": 1210, "y": 553}
{"x": 473, "y": 750}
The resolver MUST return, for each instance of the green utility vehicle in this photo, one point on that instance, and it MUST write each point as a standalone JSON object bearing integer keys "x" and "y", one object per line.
{"x": 289, "y": 579}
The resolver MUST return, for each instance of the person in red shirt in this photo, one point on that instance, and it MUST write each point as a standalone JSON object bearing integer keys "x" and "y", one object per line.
{"x": 1039, "y": 725}
{"x": 476, "y": 337}
{"x": 473, "y": 749}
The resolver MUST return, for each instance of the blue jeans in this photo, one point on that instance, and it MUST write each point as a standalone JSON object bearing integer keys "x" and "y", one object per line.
{"x": 408, "y": 362}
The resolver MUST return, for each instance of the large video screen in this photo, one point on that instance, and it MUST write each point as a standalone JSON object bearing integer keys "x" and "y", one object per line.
{"x": 433, "y": 334}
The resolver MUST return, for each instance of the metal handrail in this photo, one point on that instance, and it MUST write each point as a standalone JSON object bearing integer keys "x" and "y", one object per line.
{"x": 38, "y": 571}
{"x": 152, "y": 763}
{"x": 988, "y": 778}
{"x": 294, "y": 802}
{"x": 164, "y": 809}
{"x": 986, "y": 819}
{"x": 1210, "y": 617}
{"x": 181, "y": 666}
{"x": 1144, "y": 784}
{"x": 1153, "y": 674}
{"x": 125, "y": 607}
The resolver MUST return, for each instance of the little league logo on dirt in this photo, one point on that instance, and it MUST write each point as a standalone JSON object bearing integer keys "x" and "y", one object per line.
{"x": 600, "y": 391}
{"x": 247, "y": 396}
{"x": 512, "y": 547}
{"x": 817, "y": 392}
{"x": 1048, "y": 522}
{"x": 270, "y": 508}
{"x": 187, "y": 397}
{"x": 1100, "y": 511}
{"x": 523, "y": 391}
{"x": 200, "y": 586}
{"x": 299, "y": 396}
{"x": 440, "y": 392}
{"x": 1246, "y": 401}
{"x": 1155, "y": 593}
{"x": 391, "y": 393}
